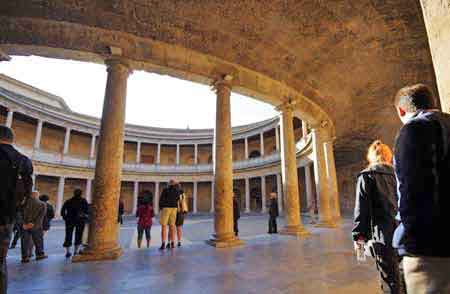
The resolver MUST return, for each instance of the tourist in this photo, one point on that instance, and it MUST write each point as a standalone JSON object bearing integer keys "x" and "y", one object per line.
{"x": 13, "y": 190}
{"x": 49, "y": 215}
{"x": 273, "y": 213}
{"x": 422, "y": 166}
{"x": 236, "y": 214}
{"x": 145, "y": 215}
{"x": 181, "y": 212}
{"x": 168, "y": 204}
{"x": 374, "y": 217}
{"x": 121, "y": 212}
{"x": 75, "y": 214}
{"x": 34, "y": 211}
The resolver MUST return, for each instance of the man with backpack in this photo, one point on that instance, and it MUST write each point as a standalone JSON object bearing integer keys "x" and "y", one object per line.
{"x": 422, "y": 167}
{"x": 15, "y": 185}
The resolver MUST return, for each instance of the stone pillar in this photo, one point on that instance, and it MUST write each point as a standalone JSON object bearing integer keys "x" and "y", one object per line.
{"x": 135, "y": 196}
{"x": 223, "y": 168}
{"x": 279, "y": 194}
{"x": 304, "y": 129}
{"x": 212, "y": 198}
{"x": 194, "y": 195}
{"x": 246, "y": 147}
{"x": 37, "y": 138}
{"x": 156, "y": 198}
{"x": 92, "y": 151}
{"x": 138, "y": 152}
{"x": 247, "y": 195}
{"x": 277, "y": 138}
{"x": 323, "y": 191}
{"x": 103, "y": 233}
{"x": 332, "y": 181}
{"x": 261, "y": 140}
{"x": 178, "y": 154}
{"x": 60, "y": 196}
{"x": 310, "y": 199}
{"x": 294, "y": 224}
{"x": 33, "y": 178}
{"x": 263, "y": 194}
{"x": 195, "y": 153}
{"x": 89, "y": 190}
{"x": 9, "y": 118}
{"x": 66, "y": 141}
{"x": 158, "y": 154}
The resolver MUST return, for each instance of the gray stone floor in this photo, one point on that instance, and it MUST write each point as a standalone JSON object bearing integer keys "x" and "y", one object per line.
{"x": 322, "y": 263}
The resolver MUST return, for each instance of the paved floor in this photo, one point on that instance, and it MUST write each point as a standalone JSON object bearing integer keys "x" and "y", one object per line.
{"x": 323, "y": 263}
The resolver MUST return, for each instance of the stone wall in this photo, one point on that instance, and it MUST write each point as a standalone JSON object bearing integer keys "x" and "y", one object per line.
{"x": 149, "y": 153}
{"x": 24, "y": 129}
{"x": 204, "y": 154}
{"x": 168, "y": 154}
{"x": 130, "y": 152}
{"x": 204, "y": 202}
{"x": 80, "y": 144}
{"x": 126, "y": 195}
{"x": 48, "y": 185}
{"x": 187, "y": 155}
{"x": 70, "y": 184}
{"x": 52, "y": 138}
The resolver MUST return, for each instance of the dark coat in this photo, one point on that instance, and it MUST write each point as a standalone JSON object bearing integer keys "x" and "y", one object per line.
{"x": 236, "y": 209}
{"x": 422, "y": 166}
{"x": 75, "y": 211}
{"x": 50, "y": 214}
{"x": 376, "y": 203}
{"x": 169, "y": 197}
{"x": 273, "y": 207}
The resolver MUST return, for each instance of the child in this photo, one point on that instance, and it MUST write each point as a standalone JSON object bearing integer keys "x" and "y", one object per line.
{"x": 145, "y": 215}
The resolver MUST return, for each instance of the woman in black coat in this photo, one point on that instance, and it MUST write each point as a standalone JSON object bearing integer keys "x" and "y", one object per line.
{"x": 374, "y": 218}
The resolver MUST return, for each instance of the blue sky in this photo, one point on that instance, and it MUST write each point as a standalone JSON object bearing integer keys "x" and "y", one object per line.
{"x": 152, "y": 99}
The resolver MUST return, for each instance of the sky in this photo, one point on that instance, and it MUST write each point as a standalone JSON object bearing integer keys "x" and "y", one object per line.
{"x": 152, "y": 99}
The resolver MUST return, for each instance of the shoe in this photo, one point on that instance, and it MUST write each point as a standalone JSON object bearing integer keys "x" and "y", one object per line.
{"x": 163, "y": 246}
{"x": 25, "y": 260}
{"x": 68, "y": 255}
{"x": 179, "y": 244}
{"x": 168, "y": 246}
{"x": 40, "y": 257}
{"x": 172, "y": 245}
{"x": 12, "y": 247}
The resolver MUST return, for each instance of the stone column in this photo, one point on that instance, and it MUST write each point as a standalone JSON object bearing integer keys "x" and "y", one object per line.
{"x": 223, "y": 168}
{"x": 33, "y": 178}
{"x": 60, "y": 196}
{"x": 195, "y": 153}
{"x": 178, "y": 154}
{"x": 323, "y": 191}
{"x": 294, "y": 224}
{"x": 89, "y": 190}
{"x": 156, "y": 198}
{"x": 247, "y": 195}
{"x": 311, "y": 201}
{"x": 277, "y": 138}
{"x": 263, "y": 194}
{"x": 9, "y": 118}
{"x": 92, "y": 151}
{"x": 135, "y": 196}
{"x": 138, "y": 152}
{"x": 261, "y": 140}
{"x": 279, "y": 194}
{"x": 37, "y": 138}
{"x": 212, "y": 198}
{"x": 246, "y": 147}
{"x": 332, "y": 181}
{"x": 158, "y": 154}
{"x": 304, "y": 129}
{"x": 194, "y": 195}
{"x": 66, "y": 141}
{"x": 103, "y": 233}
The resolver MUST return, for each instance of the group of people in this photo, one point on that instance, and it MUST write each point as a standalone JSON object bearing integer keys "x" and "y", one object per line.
{"x": 403, "y": 198}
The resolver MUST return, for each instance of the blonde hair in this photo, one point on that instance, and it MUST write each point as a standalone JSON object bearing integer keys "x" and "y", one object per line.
{"x": 379, "y": 153}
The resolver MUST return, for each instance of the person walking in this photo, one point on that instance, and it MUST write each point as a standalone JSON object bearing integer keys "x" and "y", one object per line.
{"x": 422, "y": 166}
{"x": 168, "y": 205}
{"x": 75, "y": 213}
{"x": 273, "y": 213}
{"x": 34, "y": 212}
{"x": 374, "y": 215}
{"x": 49, "y": 215}
{"x": 145, "y": 215}
{"x": 181, "y": 212}
{"x": 121, "y": 211}
{"x": 236, "y": 214}
{"x": 16, "y": 182}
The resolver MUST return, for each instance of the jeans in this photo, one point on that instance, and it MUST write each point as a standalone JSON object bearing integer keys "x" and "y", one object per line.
{"x": 430, "y": 275}
{"x": 273, "y": 225}
{"x": 79, "y": 228}
{"x": 5, "y": 238}
{"x": 30, "y": 237}
{"x": 141, "y": 231}
{"x": 387, "y": 262}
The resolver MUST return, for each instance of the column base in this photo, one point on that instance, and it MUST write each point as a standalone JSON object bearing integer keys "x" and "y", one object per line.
{"x": 97, "y": 255}
{"x": 326, "y": 224}
{"x": 297, "y": 231}
{"x": 225, "y": 242}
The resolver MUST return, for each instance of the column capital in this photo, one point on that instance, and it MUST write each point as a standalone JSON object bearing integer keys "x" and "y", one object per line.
{"x": 225, "y": 81}
{"x": 118, "y": 64}
{"x": 286, "y": 106}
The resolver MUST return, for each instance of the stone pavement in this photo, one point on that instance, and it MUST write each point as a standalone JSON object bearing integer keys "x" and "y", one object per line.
{"x": 322, "y": 263}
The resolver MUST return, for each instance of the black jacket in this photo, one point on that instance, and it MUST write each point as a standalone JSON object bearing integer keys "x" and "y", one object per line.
{"x": 169, "y": 197}
{"x": 273, "y": 207}
{"x": 376, "y": 204}
{"x": 9, "y": 201}
{"x": 236, "y": 209}
{"x": 75, "y": 211}
{"x": 422, "y": 166}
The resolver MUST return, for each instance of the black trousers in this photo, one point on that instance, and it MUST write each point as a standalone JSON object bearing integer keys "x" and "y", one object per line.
{"x": 17, "y": 236}
{"x": 236, "y": 226}
{"x": 5, "y": 238}
{"x": 141, "y": 231}
{"x": 388, "y": 262}
{"x": 32, "y": 237}
{"x": 273, "y": 225}
{"x": 79, "y": 228}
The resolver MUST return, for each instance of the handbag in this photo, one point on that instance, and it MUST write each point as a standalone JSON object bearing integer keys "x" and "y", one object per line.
{"x": 182, "y": 204}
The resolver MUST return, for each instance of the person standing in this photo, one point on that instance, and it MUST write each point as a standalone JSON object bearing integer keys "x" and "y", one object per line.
{"x": 273, "y": 213}
{"x": 236, "y": 214}
{"x": 34, "y": 212}
{"x": 15, "y": 185}
{"x": 121, "y": 211}
{"x": 168, "y": 203}
{"x": 145, "y": 215}
{"x": 49, "y": 215}
{"x": 422, "y": 167}
{"x": 181, "y": 212}
{"x": 75, "y": 213}
{"x": 374, "y": 216}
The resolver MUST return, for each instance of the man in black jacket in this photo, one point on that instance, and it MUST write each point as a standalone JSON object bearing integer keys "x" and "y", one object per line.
{"x": 168, "y": 204}
{"x": 422, "y": 166}
{"x": 273, "y": 213}
{"x": 15, "y": 184}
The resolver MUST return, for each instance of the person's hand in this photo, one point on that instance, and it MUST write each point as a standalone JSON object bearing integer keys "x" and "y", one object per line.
{"x": 359, "y": 243}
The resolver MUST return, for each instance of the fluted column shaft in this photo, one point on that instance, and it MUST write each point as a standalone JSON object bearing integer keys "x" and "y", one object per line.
{"x": 247, "y": 195}
{"x": 9, "y": 118}
{"x": 263, "y": 194}
{"x": 37, "y": 138}
{"x": 332, "y": 181}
